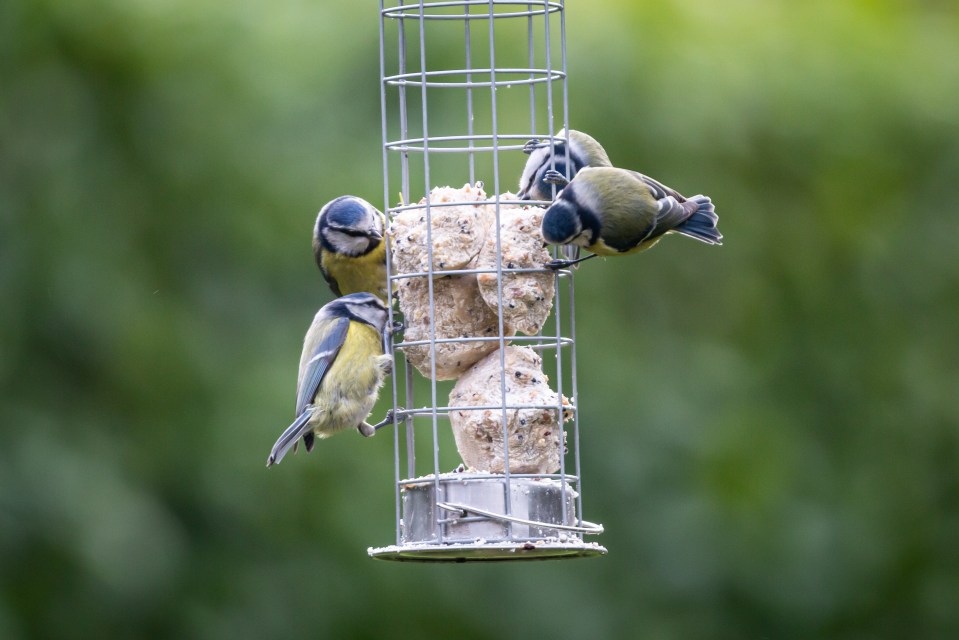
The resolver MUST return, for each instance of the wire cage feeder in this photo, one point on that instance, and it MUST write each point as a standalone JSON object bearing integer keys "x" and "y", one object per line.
{"x": 464, "y": 85}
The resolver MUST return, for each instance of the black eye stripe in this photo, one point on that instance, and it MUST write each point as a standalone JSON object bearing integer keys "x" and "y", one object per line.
{"x": 349, "y": 231}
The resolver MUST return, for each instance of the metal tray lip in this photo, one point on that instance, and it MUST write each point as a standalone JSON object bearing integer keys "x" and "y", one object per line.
{"x": 488, "y": 552}
{"x": 468, "y": 476}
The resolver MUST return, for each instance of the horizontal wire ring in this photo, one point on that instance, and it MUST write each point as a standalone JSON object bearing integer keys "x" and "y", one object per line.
{"x": 415, "y": 79}
{"x": 408, "y": 11}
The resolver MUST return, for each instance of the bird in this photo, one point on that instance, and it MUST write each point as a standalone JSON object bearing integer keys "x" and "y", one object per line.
{"x": 611, "y": 211}
{"x": 584, "y": 151}
{"x": 349, "y": 248}
{"x": 342, "y": 368}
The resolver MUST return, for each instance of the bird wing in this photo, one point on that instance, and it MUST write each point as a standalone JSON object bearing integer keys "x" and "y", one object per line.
{"x": 671, "y": 210}
{"x": 623, "y": 201}
{"x": 320, "y": 361}
{"x": 658, "y": 189}
{"x": 672, "y": 213}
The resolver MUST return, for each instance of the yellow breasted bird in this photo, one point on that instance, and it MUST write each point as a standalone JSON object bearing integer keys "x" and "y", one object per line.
{"x": 611, "y": 211}
{"x": 341, "y": 371}
{"x": 349, "y": 247}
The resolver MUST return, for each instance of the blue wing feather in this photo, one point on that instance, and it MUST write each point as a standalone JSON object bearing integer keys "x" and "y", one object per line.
{"x": 288, "y": 438}
{"x": 320, "y": 362}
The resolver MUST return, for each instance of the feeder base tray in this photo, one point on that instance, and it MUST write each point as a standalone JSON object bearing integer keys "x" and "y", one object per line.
{"x": 488, "y": 552}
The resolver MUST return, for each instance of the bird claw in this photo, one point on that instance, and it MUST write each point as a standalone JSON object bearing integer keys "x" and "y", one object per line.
{"x": 387, "y": 420}
{"x": 531, "y": 146}
{"x": 397, "y": 327}
{"x": 555, "y": 177}
{"x": 557, "y": 264}
{"x": 388, "y": 366}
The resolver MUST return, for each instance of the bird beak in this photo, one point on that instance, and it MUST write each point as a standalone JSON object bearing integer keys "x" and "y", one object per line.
{"x": 376, "y": 235}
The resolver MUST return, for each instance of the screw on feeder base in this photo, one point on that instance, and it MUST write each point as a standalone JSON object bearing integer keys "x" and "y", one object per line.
{"x": 463, "y": 314}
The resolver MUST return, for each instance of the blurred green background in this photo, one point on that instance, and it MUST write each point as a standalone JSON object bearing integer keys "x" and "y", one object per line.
{"x": 770, "y": 428}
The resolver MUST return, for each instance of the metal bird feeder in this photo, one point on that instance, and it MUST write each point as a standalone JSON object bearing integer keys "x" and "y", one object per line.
{"x": 464, "y": 85}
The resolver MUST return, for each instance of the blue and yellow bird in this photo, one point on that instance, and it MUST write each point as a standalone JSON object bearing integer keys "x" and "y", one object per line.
{"x": 341, "y": 371}
{"x": 610, "y": 211}
{"x": 349, "y": 246}
{"x": 581, "y": 151}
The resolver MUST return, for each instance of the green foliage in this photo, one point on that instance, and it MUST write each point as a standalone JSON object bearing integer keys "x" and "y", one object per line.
{"x": 769, "y": 428}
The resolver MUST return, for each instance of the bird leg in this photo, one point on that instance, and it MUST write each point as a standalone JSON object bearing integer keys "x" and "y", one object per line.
{"x": 555, "y": 177}
{"x": 565, "y": 264}
{"x": 531, "y": 146}
{"x": 368, "y": 430}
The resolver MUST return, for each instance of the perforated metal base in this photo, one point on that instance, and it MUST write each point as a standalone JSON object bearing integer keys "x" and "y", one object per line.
{"x": 468, "y": 517}
{"x": 488, "y": 552}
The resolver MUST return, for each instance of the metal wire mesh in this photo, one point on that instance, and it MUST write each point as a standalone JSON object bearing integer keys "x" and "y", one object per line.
{"x": 464, "y": 85}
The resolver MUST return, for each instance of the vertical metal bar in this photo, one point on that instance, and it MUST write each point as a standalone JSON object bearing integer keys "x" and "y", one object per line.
{"x": 383, "y": 123}
{"x": 389, "y": 288}
{"x": 429, "y": 265}
{"x": 389, "y": 283}
{"x": 572, "y": 300}
{"x": 532, "y": 76}
{"x": 404, "y": 116}
{"x": 532, "y": 96}
{"x": 405, "y": 186}
{"x": 548, "y": 39}
{"x": 410, "y": 402}
{"x": 469, "y": 94}
{"x": 507, "y": 499}
{"x": 562, "y": 47}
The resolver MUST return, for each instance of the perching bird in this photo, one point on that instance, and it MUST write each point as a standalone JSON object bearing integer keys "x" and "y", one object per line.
{"x": 341, "y": 371}
{"x": 612, "y": 211}
{"x": 349, "y": 248}
{"x": 584, "y": 151}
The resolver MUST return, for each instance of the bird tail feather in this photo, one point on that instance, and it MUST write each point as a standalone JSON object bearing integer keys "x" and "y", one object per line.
{"x": 289, "y": 438}
{"x": 701, "y": 225}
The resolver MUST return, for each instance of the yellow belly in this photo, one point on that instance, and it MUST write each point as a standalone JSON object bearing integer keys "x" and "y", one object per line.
{"x": 600, "y": 248}
{"x": 350, "y": 388}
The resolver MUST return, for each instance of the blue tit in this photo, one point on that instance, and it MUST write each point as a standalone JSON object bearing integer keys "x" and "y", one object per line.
{"x": 612, "y": 211}
{"x": 341, "y": 371}
{"x": 584, "y": 151}
{"x": 349, "y": 248}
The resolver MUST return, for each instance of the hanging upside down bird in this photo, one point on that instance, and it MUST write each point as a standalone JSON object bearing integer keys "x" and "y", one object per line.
{"x": 603, "y": 209}
{"x": 610, "y": 211}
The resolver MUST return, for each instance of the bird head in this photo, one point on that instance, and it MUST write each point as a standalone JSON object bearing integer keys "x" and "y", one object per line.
{"x": 562, "y": 223}
{"x": 360, "y": 307}
{"x": 349, "y": 226}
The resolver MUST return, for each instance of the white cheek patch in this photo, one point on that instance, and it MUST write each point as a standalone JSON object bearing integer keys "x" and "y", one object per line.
{"x": 349, "y": 245}
{"x": 537, "y": 160}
